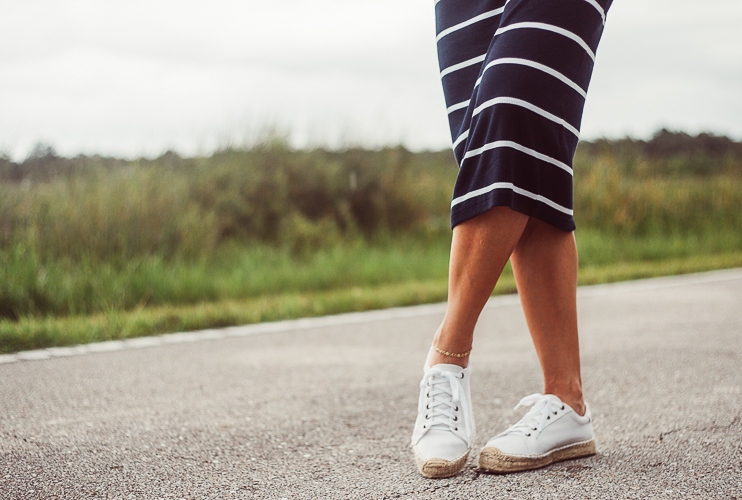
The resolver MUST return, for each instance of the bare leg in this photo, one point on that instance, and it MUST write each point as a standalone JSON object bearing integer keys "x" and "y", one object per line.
{"x": 546, "y": 263}
{"x": 545, "y": 267}
{"x": 480, "y": 249}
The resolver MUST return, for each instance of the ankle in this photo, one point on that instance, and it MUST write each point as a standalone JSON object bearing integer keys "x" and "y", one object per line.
{"x": 435, "y": 358}
{"x": 450, "y": 347}
{"x": 570, "y": 395}
{"x": 578, "y": 405}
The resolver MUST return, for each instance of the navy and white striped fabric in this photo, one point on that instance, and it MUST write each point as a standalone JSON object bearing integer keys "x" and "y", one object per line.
{"x": 515, "y": 75}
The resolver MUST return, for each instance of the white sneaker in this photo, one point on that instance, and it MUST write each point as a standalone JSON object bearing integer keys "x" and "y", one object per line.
{"x": 551, "y": 431}
{"x": 441, "y": 440}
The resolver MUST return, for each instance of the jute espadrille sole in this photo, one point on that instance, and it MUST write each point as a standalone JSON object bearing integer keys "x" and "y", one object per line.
{"x": 438, "y": 467}
{"x": 493, "y": 460}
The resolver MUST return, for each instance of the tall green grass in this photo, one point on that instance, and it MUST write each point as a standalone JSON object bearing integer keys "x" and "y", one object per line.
{"x": 92, "y": 235}
{"x": 63, "y": 287}
{"x": 185, "y": 208}
{"x": 32, "y": 332}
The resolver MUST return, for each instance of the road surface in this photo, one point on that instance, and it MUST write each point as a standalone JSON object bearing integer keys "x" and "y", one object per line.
{"x": 323, "y": 408}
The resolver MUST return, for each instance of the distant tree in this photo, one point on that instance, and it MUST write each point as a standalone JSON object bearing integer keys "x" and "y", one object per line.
{"x": 7, "y": 167}
{"x": 42, "y": 150}
{"x": 666, "y": 143}
{"x": 42, "y": 163}
{"x": 169, "y": 159}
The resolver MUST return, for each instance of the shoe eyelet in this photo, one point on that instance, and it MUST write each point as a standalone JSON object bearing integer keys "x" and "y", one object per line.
{"x": 455, "y": 419}
{"x": 427, "y": 407}
{"x": 462, "y": 376}
{"x": 562, "y": 407}
{"x": 425, "y": 426}
{"x": 456, "y": 409}
{"x": 548, "y": 417}
{"x": 427, "y": 417}
{"x": 455, "y": 428}
{"x": 554, "y": 412}
{"x": 533, "y": 428}
{"x": 427, "y": 395}
{"x": 528, "y": 435}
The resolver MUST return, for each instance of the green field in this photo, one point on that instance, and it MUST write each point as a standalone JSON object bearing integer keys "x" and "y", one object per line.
{"x": 98, "y": 248}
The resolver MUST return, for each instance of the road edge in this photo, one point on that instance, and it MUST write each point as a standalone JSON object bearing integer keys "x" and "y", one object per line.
{"x": 355, "y": 318}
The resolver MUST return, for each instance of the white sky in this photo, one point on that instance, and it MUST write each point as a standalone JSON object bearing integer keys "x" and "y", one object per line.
{"x": 136, "y": 77}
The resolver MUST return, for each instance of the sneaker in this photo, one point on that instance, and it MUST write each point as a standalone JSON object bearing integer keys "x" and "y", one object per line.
{"x": 551, "y": 431}
{"x": 441, "y": 440}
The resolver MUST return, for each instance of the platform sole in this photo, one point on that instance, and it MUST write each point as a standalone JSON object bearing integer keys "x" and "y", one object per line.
{"x": 493, "y": 460}
{"x": 438, "y": 467}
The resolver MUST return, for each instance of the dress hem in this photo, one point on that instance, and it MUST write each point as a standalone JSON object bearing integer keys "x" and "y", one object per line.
{"x": 515, "y": 202}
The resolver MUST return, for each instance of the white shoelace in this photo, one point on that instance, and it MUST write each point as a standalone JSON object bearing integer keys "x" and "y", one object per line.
{"x": 534, "y": 421}
{"x": 444, "y": 396}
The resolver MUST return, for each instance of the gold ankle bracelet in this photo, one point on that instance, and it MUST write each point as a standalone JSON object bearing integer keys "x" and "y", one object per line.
{"x": 452, "y": 354}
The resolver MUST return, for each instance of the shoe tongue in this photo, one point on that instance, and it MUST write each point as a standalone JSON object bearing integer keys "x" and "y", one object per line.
{"x": 445, "y": 368}
{"x": 556, "y": 401}
{"x": 553, "y": 398}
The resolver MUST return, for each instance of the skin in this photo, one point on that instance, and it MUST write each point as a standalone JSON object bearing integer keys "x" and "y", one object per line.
{"x": 544, "y": 261}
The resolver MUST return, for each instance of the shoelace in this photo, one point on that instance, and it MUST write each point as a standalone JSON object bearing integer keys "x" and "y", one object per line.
{"x": 534, "y": 421}
{"x": 443, "y": 393}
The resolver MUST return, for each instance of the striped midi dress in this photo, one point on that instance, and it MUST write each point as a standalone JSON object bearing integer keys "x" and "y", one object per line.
{"x": 515, "y": 75}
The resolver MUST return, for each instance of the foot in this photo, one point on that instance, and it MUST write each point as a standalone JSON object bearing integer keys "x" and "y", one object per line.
{"x": 551, "y": 431}
{"x": 441, "y": 440}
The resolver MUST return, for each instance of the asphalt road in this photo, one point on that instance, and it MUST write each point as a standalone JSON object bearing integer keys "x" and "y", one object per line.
{"x": 324, "y": 408}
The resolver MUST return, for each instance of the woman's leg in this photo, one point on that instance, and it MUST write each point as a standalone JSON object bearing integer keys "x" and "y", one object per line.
{"x": 545, "y": 267}
{"x": 444, "y": 429}
{"x": 480, "y": 248}
{"x": 545, "y": 264}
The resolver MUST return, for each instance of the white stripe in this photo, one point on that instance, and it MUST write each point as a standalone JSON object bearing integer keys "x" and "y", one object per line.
{"x": 463, "y": 136}
{"x": 552, "y": 28}
{"x": 511, "y": 186}
{"x": 515, "y": 145}
{"x": 529, "y": 106}
{"x": 532, "y": 64}
{"x": 456, "y": 107}
{"x": 469, "y": 22}
{"x": 462, "y": 65}
{"x": 598, "y": 8}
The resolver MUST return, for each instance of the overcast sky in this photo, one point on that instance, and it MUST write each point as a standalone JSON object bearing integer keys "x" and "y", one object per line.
{"x": 138, "y": 77}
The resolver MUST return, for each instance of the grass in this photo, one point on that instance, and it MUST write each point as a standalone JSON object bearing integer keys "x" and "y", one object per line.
{"x": 33, "y": 332}
{"x": 60, "y": 288}
{"x": 98, "y": 248}
{"x": 33, "y": 287}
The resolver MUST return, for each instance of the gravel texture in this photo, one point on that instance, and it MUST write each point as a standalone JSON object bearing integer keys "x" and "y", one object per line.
{"x": 325, "y": 411}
